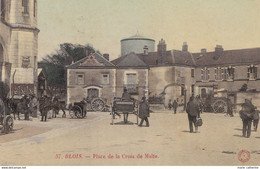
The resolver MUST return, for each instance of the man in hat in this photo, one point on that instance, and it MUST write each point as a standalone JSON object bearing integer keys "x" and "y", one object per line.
{"x": 175, "y": 106}
{"x": 193, "y": 112}
{"x": 144, "y": 112}
{"x": 246, "y": 114}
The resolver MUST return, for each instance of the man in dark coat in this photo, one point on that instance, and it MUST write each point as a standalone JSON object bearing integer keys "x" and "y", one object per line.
{"x": 193, "y": 112}
{"x": 246, "y": 114}
{"x": 170, "y": 104}
{"x": 175, "y": 106}
{"x": 144, "y": 112}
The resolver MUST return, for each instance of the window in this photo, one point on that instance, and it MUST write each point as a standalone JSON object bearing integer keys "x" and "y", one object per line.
{"x": 218, "y": 73}
{"x": 205, "y": 74}
{"x": 224, "y": 73}
{"x": 192, "y": 89}
{"x": 252, "y": 72}
{"x": 192, "y": 72}
{"x": 182, "y": 90}
{"x": 3, "y": 9}
{"x": 80, "y": 78}
{"x": 25, "y": 4}
{"x": 105, "y": 78}
{"x": 131, "y": 83}
{"x": 230, "y": 73}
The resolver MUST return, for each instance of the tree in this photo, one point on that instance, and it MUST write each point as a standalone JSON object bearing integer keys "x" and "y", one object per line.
{"x": 54, "y": 66}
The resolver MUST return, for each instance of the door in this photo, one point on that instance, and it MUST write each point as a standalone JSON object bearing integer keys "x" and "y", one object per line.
{"x": 93, "y": 93}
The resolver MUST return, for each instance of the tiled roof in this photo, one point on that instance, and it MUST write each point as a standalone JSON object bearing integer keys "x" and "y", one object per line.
{"x": 228, "y": 57}
{"x": 94, "y": 60}
{"x": 129, "y": 60}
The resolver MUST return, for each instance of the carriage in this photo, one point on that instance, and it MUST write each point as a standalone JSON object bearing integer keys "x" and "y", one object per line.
{"x": 6, "y": 120}
{"x": 215, "y": 104}
{"x": 78, "y": 109}
{"x": 124, "y": 107}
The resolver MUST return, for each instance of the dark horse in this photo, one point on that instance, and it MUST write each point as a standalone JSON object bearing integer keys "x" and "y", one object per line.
{"x": 57, "y": 106}
{"x": 18, "y": 106}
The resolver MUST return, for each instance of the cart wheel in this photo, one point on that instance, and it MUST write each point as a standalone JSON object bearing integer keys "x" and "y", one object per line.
{"x": 8, "y": 124}
{"x": 97, "y": 104}
{"x": 77, "y": 111}
{"x": 220, "y": 106}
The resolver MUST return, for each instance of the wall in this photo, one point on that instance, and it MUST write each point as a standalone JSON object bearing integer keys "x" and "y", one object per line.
{"x": 142, "y": 82}
{"x": 76, "y": 93}
{"x": 136, "y": 46}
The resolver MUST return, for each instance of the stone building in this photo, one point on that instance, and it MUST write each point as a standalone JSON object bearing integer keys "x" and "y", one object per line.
{"x": 95, "y": 76}
{"x": 19, "y": 44}
{"x": 92, "y": 76}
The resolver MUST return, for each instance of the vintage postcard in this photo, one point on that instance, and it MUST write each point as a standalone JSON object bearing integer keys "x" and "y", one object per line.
{"x": 130, "y": 83}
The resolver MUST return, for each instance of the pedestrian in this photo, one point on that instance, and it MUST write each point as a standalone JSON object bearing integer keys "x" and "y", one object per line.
{"x": 193, "y": 113}
{"x": 170, "y": 104}
{"x": 246, "y": 114}
{"x": 199, "y": 102}
{"x": 144, "y": 112}
{"x": 175, "y": 106}
{"x": 256, "y": 119}
{"x": 229, "y": 108}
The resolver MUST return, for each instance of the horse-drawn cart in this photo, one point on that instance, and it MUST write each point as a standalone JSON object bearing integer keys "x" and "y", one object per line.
{"x": 124, "y": 107}
{"x": 78, "y": 110}
{"x": 6, "y": 120}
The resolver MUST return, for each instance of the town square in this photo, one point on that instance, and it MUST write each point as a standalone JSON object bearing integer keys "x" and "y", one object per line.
{"x": 129, "y": 83}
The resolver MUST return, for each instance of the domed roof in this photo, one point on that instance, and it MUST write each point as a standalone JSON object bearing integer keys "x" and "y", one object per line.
{"x": 137, "y": 37}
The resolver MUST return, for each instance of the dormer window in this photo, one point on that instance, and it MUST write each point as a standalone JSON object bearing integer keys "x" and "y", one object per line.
{"x": 25, "y": 4}
{"x": 252, "y": 72}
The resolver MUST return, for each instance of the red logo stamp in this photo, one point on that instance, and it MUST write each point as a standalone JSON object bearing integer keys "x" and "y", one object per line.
{"x": 244, "y": 156}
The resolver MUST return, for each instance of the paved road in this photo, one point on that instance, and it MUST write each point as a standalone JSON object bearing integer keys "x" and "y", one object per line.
{"x": 93, "y": 141}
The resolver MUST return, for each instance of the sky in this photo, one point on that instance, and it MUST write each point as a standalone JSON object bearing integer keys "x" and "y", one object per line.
{"x": 234, "y": 24}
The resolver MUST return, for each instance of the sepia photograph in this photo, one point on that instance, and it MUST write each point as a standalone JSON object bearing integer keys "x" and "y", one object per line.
{"x": 129, "y": 83}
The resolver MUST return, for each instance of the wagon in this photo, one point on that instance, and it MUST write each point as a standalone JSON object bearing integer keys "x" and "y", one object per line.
{"x": 215, "y": 104}
{"x": 78, "y": 110}
{"x": 6, "y": 120}
{"x": 124, "y": 107}
{"x": 95, "y": 104}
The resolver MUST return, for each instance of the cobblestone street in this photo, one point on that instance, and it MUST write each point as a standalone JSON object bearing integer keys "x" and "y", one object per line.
{"x": 93, "y": 141}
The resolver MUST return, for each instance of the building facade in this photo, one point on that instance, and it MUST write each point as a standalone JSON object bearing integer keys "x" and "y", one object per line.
{"x": 19, "y": 43}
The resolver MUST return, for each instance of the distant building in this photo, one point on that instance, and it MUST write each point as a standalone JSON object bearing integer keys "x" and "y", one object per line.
{"x": 19, "y": 45}
{"x": 136, "y": 44}
{"x": 174, "y": 74}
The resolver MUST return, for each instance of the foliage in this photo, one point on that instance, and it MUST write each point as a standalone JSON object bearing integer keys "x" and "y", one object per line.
{"x": 54, "y": 66}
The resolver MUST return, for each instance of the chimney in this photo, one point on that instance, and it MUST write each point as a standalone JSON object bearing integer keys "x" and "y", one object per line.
{"x": 161, "y": 49}
{"x": 185, "y": 47}
{"x": 218, "y": 51}
{"x": 145, "y": 50}
{"x": 106, "y": 56}
{"x": 204, "y": 50}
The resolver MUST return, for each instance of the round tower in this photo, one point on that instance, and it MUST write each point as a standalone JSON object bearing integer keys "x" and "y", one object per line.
{"x": 137, "y": 44}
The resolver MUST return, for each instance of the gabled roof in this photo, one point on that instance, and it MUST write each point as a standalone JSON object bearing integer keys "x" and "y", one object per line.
{"x": 129, "y": 60}
{"x": 228, "y": 57}
{"x": 94, "y": 60}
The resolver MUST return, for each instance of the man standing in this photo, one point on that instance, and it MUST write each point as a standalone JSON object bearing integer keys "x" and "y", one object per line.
{"x": 126, "y": 97}
{"x": 193, "y": 112}
{"x": 144, "y": 112}
{"x": 170, "y": 104}
{"x": 246, "y": 114}
{"x": 175, "y": 106}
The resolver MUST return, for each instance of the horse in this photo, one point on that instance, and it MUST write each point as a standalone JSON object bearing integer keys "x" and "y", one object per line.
{"x": 57, "y": 106}
{"x": 18, "y": 106}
